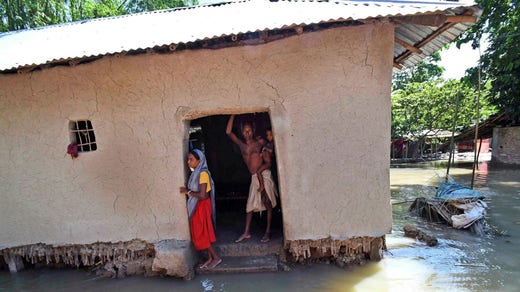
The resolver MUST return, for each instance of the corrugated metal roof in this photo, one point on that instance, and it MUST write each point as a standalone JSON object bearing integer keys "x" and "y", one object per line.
{"x": 104, "y": 36}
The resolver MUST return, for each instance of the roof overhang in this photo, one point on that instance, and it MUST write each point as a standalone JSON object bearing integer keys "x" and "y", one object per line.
{"x": 421, "y": 28}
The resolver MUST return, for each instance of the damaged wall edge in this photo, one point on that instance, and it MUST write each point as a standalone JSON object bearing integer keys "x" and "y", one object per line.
{"x": 175, "y": 257}
{"x": 110, "y": 259}
{"x": 348, "y": 251}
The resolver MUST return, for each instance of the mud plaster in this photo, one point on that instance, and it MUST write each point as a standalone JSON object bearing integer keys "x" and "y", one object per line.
{"x": 351, "y": 250}
{"x": 76, "y": 255}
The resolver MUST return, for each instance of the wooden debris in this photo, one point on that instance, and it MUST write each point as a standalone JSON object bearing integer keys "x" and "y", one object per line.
{"x": 459, "y": 213}
{"x": 410, "y": 231}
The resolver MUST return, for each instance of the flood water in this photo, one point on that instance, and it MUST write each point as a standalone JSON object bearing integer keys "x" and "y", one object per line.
{"x": 462, "y": 261}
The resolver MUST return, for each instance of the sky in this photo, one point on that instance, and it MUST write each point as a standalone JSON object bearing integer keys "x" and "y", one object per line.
{"x": 456, "y": 61}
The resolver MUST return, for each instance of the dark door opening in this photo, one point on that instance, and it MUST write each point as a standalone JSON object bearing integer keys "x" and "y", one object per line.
{"x": 230, "y": 173}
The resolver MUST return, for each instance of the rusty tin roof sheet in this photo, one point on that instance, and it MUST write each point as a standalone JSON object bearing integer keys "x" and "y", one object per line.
{"x": 105, "y": 36}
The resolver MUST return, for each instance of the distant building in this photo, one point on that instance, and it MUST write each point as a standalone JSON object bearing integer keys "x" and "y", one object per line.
{"x": 499, "y": 134}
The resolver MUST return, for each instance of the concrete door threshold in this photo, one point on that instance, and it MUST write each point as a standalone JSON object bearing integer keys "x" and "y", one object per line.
{"x": 243, "y": 264}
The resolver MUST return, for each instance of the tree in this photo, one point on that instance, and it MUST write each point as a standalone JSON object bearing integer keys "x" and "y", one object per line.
{"x": 500, "y": 63}
{"x": 24, "y": 14}
{"x": 151, "y": 5}
{"x": 424, "y": 109}
{"x": 427, "y": 107}
{"x": 426, "y": 70}
{"x": 423, "y": 103}
{"x": 90, "y": 9}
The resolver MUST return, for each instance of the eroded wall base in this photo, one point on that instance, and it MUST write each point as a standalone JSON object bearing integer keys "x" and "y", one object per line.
{"x": 119, "y": 259}
{"x": 342, "y": 252}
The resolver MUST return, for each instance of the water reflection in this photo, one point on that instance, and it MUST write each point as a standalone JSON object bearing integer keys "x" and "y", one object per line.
{"x": 460, "y": 262}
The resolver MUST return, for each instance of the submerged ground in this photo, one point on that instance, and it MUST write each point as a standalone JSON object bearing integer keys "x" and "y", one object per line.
{"x": 460, "y": 262}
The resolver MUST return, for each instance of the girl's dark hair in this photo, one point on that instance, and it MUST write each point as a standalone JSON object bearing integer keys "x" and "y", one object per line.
{"x": 195, "y": 154}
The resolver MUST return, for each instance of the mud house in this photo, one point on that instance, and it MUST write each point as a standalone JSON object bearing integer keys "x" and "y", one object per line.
{"x": 125, "y": 91}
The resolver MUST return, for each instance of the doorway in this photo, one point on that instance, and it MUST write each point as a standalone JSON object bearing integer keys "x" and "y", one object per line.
{"x": 231, "y": 175}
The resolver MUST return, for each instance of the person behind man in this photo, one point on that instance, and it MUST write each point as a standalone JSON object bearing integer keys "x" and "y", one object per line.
{"x": 262, "y": 191}
{"x": 270, "y": 140}
{"x": 269, "y": 147}
{"x": 201, "y": 207}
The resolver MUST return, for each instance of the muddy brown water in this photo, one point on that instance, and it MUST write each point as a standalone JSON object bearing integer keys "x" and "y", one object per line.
{"x": 461, "y": 262}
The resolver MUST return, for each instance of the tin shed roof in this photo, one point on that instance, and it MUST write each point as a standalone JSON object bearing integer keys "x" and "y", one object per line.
{"x": 422, "y": 27}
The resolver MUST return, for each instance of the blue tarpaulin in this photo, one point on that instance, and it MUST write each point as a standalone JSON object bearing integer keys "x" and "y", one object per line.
{"x": 452, "y": 190}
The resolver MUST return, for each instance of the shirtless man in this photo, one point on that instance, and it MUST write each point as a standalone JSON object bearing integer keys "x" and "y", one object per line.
{"x": 262, "y": 191}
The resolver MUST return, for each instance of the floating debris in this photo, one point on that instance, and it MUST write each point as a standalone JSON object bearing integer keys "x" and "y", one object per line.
{"x": 454, "y": 204}
{"x": 410, "y": 231}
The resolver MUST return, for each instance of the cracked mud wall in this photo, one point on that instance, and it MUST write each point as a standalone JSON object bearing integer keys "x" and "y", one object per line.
{"x": 328, "y": 95}
{"x": 337, "y": 130}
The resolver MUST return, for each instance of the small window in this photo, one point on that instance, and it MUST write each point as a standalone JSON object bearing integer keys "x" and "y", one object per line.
{"x": 82, "y": 133}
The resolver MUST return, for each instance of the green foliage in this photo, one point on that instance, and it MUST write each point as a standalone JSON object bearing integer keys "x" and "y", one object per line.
{"x": 30, "y": 13}
{"x": 424, "y": 108}
{"x": 500, "y": 63}
{"x": 151, "y": 5}
{"x": 23, "y": 14}
{"x": 89, "y": 9}
{"x": 426, "y": 70}
{"x": 424, "y": 104}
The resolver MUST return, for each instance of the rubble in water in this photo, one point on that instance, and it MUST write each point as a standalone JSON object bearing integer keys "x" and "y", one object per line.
{"x": 412, "y": 232}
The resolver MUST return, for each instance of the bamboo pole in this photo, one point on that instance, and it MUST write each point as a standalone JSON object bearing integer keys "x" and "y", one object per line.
{"x": 476, "y": 154}
{"x": 453, "y": 134}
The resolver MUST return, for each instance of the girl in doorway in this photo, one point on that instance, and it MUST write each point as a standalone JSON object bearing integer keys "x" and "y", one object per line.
{"x": 201, "y": 207}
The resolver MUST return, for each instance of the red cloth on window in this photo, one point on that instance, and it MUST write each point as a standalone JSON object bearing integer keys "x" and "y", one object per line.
{"x": 202, "y": 231}
{"x": 72, "y": 149}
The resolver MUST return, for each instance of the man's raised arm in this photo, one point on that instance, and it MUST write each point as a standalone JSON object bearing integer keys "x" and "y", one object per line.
{"x": 229, "y": 130}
